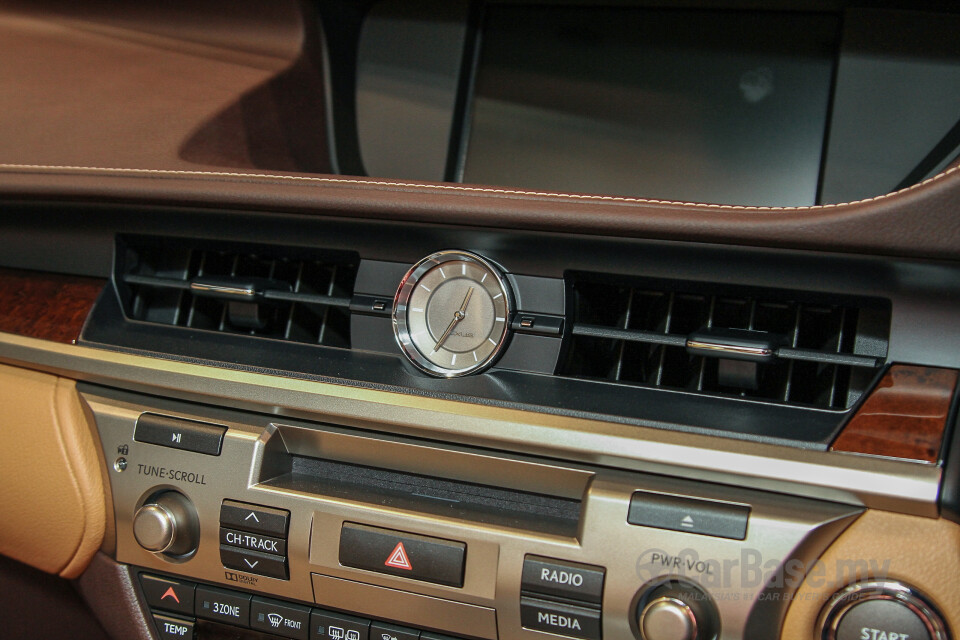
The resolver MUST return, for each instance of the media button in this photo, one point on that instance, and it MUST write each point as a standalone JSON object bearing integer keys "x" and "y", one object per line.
{"x": 326, "y": 625}
{"x": 280, "y": 618}
{"x": 560, "y": 619}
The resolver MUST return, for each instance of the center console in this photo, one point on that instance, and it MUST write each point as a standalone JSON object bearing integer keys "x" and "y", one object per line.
{"x": 307, "y": 530}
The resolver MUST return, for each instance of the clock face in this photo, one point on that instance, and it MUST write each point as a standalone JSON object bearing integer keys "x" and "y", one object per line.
{"x": 452, "y": 314}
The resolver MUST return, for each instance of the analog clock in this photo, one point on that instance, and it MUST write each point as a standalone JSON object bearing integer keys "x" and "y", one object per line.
{"x": 451, "y": 315}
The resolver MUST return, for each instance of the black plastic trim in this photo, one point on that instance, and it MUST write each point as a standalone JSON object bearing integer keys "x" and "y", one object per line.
{"x": 808, "y": 428}
{"x": 950, "y": 488}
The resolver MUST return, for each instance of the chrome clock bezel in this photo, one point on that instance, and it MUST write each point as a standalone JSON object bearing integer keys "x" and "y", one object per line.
{"x": 401, "y": 325}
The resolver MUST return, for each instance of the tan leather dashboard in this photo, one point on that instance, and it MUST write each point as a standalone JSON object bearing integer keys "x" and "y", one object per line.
{"x": 919, "y": 551}
{"x": 51, "y": 490}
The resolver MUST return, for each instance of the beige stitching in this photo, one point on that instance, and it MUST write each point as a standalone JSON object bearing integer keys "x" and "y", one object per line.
{"x": 411, "y": 185}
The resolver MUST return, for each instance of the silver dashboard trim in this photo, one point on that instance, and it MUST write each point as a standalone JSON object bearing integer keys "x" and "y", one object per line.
{"x": 888, "y": 484}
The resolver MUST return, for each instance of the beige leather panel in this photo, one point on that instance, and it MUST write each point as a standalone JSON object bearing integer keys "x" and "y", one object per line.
{"x": 52, "y": 503}
{"x": 922, "y": 552}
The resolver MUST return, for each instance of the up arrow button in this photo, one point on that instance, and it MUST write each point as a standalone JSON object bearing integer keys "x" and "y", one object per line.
{"x": 254, "y": 518}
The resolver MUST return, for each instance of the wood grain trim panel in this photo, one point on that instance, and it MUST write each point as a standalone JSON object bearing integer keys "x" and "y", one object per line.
{"x": 46, "y": 305}
{"x": 904, "y": 417}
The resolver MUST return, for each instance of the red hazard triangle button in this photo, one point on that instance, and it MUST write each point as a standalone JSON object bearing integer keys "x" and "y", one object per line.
{"x": 398, "y": 558}
{"x": 408, "y": 556}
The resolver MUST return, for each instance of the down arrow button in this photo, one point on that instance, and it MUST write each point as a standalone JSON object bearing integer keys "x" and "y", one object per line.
{"x": 263, "y": 564}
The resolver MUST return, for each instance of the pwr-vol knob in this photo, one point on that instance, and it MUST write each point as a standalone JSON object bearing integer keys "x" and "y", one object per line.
{"x": 167, "y": 523}
{"x": 676, "y": 610}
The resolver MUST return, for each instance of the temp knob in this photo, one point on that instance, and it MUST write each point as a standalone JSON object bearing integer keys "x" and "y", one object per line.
{"x": 167, "y": 523}
{"x": 676, "y": 610}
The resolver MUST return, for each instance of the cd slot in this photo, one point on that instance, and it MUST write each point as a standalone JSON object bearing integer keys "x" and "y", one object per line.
{"x": 451, "y": 483}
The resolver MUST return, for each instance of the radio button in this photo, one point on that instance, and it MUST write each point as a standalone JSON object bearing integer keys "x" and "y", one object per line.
{"x": 254, "y": 518}
{"x": 280, "y": 618}
{"x": 560, "y": 619}
{"x": 263, "y": 564}
{"x": 169, "y": 594}
{"x": 170, "y": 628}
{"x": 402, "y": 554}
{"x": 253, "y": 541}
{"x": 223, "y": 606}
{"x": 552, "y": 577}
{"x": 326, "y": 625}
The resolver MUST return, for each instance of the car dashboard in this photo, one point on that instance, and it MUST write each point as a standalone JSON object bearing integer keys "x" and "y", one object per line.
{"x": 486, "y": 320}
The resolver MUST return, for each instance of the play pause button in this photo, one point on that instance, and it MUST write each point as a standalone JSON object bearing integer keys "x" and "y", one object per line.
{"x": 402, "y": 554}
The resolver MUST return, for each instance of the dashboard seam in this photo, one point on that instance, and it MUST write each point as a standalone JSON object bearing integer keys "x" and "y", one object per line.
{"x": 458, "y": 188}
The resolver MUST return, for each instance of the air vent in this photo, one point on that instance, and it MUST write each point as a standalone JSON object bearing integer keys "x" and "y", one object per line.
{"x": 257, "y": 290}
{"x": 780, "y": 346}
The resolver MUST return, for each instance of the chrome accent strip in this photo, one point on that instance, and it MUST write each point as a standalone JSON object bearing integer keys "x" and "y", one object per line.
{"x": 882, "y": 483}
{"x": 210, "y": 288}
{"x": 760, "y": 352}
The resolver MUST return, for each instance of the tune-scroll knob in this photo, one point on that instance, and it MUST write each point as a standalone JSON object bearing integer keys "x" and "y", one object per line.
{"x": 167, "y": 523}
{"x": 676, "y": 610}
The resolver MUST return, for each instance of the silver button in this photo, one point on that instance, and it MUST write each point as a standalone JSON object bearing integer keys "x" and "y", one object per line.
{"x": 668, "y": 618}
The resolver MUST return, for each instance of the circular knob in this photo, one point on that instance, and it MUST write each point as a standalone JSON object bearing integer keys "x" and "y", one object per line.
{"x": 668, "y": 618}
{"x": 167, "y": 523}
{"x": 881, "y": 608}
{"x": 676, "y": 610}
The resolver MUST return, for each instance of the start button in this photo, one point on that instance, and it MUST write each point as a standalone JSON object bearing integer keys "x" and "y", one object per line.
{"x": 882, "y": 620}
{"x": 881, "y": 610}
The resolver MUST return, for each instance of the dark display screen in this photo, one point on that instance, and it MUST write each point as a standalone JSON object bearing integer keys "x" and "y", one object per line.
{"x": 723, "y": 107}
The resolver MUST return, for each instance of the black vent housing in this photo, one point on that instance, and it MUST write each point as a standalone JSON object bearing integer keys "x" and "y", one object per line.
{"x": 634, "y": 332}
{"x": 302, "y": 295}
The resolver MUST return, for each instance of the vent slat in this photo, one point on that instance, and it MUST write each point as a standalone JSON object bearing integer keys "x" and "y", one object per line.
{"x": 826, "y": 357}
{"x": 630, "y": 332}
{"x": 306, "y": 298}
{"x": 306, "y": 294}
{"x": 631, "y": 335}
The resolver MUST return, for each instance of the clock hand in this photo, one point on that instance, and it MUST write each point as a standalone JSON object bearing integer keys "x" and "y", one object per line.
{"x": 458, "y": 315}
{"x": 446, "y": 334}
{"x": 466, "y": 301}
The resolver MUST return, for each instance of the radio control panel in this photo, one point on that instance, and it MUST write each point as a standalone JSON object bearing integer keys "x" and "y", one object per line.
{"x": 301, "y": 529}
